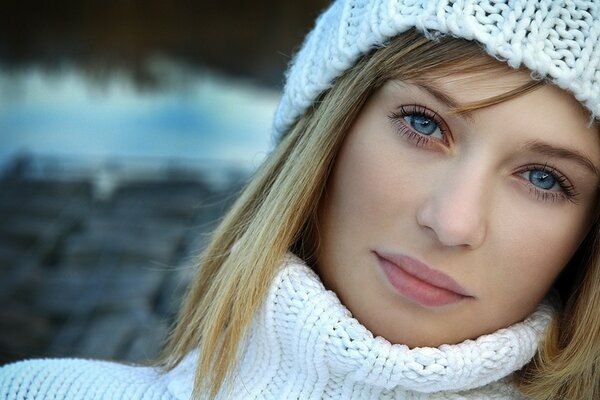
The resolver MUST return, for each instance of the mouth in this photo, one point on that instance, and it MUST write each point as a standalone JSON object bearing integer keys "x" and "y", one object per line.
{"x": 418, "y": 282}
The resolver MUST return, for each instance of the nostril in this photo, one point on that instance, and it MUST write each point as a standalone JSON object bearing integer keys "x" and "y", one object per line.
{"x": 451, "y": 225}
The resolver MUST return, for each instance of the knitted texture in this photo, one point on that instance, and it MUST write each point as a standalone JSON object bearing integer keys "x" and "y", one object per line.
{"x": 556, "y": 39}
{"x": 73, "y": 379}
{"x": 303, "y": 344}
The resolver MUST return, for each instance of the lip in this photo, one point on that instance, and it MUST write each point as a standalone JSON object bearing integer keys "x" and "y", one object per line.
{"x": 419, "y": 282}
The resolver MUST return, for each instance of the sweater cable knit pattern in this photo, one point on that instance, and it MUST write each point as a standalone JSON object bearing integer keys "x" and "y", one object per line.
{"x": 558, "y": 40}
{"x": 304, "y": 344}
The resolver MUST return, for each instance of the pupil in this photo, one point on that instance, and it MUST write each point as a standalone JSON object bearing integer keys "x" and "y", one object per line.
{"x": 542, "y": 179}
{"x": 422, "y": 124}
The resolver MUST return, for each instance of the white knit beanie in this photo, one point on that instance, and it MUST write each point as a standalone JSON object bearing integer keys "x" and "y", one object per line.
{"x": 556, "y": 39}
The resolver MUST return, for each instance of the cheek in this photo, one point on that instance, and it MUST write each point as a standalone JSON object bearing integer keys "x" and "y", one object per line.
{"x": 537, "y": 246}
{"x": 370, "y": 186}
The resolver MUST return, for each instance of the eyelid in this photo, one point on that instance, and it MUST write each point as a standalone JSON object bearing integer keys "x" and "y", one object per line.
{"x": 567, "y": 192}
{"x": 397, "y": 118}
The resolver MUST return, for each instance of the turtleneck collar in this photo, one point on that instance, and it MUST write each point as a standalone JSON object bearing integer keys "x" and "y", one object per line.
{"x": 304, "y": 344}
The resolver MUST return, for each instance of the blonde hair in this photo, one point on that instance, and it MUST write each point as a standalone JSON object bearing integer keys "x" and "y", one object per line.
{"x": 277, "y": 212}
{"x": 567, "y": 365}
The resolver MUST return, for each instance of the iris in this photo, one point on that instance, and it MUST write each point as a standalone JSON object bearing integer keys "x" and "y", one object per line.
{"x": 422, "y": 124}
{"x": 542, "y": 179}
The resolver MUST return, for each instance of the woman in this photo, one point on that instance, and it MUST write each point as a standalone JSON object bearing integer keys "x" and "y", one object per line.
{"x": 425, "y": 228}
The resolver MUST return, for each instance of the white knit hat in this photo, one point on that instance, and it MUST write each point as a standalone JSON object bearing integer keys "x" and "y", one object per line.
{"x": 557, "y": 39}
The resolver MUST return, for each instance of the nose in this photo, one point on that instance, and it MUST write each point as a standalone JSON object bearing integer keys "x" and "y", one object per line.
{"x": 455, "y": 211}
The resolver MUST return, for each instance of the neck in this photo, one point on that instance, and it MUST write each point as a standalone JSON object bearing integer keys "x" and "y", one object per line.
{"x": 305, "y": 344}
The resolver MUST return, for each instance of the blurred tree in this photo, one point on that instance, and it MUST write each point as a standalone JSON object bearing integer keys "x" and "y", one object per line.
{"x": 249, "y": 38}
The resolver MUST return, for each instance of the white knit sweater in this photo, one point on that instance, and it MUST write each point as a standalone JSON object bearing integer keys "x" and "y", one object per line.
{"x": 304, "y": 344}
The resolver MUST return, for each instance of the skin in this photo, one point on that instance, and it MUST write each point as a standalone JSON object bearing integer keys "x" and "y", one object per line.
{"x": 461, "y": 201}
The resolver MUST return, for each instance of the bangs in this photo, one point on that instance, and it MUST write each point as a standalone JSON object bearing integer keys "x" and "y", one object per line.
{"x": 490, "y": 101}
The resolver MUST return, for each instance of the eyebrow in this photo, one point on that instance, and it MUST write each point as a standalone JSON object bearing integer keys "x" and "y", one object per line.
{"x": 443, "y": 97}
{"x": 535, "y": 146}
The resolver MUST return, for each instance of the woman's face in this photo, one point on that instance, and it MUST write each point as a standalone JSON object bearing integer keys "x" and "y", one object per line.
{"x": 437, "y": 227}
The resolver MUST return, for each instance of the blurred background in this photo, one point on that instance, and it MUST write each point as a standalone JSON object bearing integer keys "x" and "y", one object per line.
{"x": 126, "y": 129}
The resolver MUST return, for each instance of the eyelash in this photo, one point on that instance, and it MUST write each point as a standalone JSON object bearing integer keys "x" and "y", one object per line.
{"x": 567, "y": 192}
{"x": 397, "y": 119}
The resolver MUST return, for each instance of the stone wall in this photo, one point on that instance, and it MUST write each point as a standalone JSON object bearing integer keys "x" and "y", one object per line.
{"x": 98, "y": 278}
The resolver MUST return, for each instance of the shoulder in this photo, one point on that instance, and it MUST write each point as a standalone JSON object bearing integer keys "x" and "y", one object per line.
{"x": 81, "y": 379}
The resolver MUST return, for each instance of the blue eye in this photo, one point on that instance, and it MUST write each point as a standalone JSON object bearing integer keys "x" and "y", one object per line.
{"x": 542, "y": 179}
{"x": 422, "y": 127}
{"x": 548, "y": 184}
{"x": 422, "y": 124}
